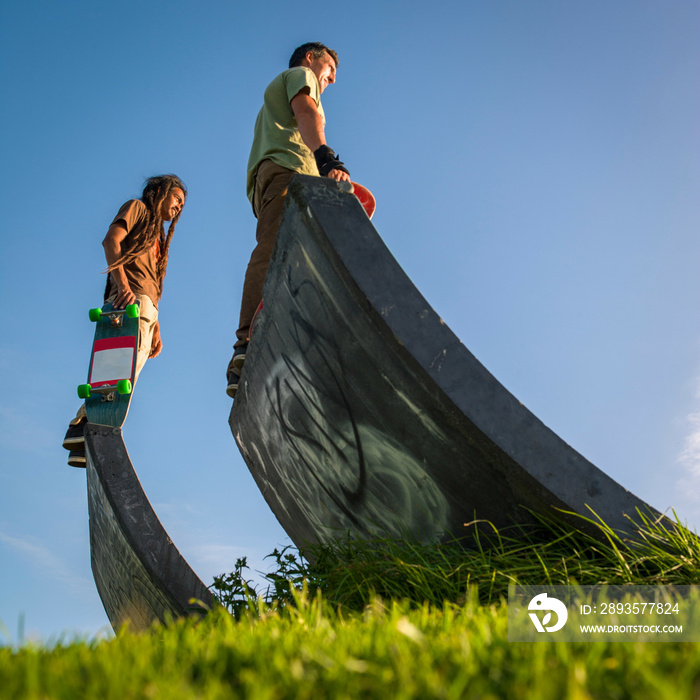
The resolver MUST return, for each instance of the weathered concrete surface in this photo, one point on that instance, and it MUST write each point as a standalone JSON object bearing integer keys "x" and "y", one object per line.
{"x": 361, "y": 411}
{"x": 140, "y": 575}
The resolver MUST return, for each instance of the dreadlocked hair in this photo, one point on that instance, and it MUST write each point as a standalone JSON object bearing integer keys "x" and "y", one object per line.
{"x": 154, "y": 192}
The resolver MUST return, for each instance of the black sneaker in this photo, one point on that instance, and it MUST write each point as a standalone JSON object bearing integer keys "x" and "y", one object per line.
{"x": 75, "y": 436}
{"x": 233, "y": 380}
{"x": 238, "y": 358}
{"x": 76, "y": 458}
{"x": 235, "y": 367}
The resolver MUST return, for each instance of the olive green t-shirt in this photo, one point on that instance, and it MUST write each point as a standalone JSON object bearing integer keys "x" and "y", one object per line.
{"x": 277, "y": 135}
{"x": 141, "y": 272}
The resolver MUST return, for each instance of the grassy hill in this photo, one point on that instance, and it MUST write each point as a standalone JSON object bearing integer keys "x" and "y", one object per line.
{"x": 387, "y": 620}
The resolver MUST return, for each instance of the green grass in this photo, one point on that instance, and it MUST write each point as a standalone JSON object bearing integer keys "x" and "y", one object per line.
{"x": 350, "y": 573}
{"x": 439, "y": 630}
{"x": 309, "y": 650}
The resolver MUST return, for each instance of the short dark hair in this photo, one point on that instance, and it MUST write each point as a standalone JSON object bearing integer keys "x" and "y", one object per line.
{"x": 316, "y": 48}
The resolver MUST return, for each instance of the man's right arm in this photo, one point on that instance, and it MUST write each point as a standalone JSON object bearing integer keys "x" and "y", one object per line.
{"x": 112, "y": 244}
{"x": 310, "y": 125}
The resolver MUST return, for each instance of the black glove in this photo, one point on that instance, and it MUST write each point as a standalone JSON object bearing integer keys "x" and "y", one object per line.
{"x": 326, "y": 160}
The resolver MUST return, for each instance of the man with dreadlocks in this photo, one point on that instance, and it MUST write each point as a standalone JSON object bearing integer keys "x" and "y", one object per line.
{"x": 136, "y": 249}
{"x": 289, "y": 138}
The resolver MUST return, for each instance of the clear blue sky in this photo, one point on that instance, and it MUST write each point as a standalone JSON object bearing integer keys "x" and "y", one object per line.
{"x": 536, "y": 167}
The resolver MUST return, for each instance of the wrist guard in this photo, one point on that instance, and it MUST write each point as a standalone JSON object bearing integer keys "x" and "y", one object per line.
{"x": 326, "y": 160}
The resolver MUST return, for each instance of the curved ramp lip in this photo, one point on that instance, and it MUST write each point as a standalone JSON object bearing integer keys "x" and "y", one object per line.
{"x": 478, "y": 395}
{"x": 534, "y": 460}
{"x": 141, "y": 576}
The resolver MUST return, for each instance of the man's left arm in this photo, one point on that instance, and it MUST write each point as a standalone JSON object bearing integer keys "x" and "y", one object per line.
{"x": 310, "y": 125}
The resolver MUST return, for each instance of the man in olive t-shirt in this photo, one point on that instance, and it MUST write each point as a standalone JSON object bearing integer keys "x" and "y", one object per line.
{"x": 289, "y": 138}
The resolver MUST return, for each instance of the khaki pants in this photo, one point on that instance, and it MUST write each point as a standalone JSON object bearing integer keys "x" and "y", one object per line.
{"x": 148, "y": 317}
{"x": 271, "y": 183}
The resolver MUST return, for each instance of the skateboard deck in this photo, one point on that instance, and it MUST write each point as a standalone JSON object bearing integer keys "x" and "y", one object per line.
{"x": 367, "y": 200}
{"x": 110, "y": 381}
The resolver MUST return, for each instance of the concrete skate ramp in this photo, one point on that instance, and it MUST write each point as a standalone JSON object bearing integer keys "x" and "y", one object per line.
{"x": 140, "y": 575}
{"x": 360, "y": 411}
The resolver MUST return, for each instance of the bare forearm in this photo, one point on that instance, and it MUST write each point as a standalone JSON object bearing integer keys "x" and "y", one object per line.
{"x": 113, "y": 252}
{"x": 310, "y": 125}
{"x": 311, "y": 129}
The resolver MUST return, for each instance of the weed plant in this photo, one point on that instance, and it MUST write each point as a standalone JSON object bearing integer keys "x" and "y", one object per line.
{"x": 351, "y": 572}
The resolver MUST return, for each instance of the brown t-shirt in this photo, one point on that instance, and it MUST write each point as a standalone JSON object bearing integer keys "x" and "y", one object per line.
{"x": 141, "y": 272}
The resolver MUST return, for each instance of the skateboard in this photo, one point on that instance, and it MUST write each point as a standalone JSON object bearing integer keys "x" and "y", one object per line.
{"x": 366, "y": 198}
{"x": 110, "y": 380}
{"x": 369, "y": 204}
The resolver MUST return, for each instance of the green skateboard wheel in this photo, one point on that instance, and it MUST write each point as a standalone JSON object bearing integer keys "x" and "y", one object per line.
{"x": 123, "y": 386}
{"x": 132, "y": 310}
{"x": 95, "y": 315}
{"x": 84, "y": 390}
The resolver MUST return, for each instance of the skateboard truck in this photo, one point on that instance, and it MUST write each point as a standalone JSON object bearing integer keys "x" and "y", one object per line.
{"x": 122, "y": 387}
{"x": 115, "y": 316}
